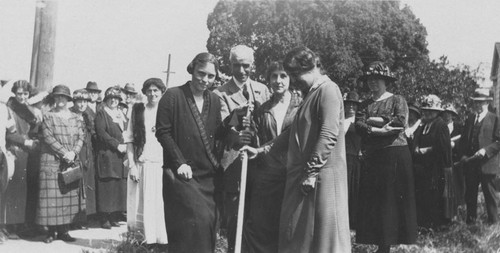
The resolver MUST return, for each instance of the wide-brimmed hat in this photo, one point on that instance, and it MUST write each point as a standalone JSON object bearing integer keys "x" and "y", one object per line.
{"x": 113, "y": 92}
{"x": 129, "y": 88}
{"x": 414, "y": 107}
{"x": 431, "y": 102}
{"x": 352, "y": 96}
{"x": 81, "y": 94}
{"x": 92, "y": 86}
{"x": 378, "y": 69}
{"x": 482, "y": 94}
{"x": 62, "y": 90}
{"x": 449, "y": 107}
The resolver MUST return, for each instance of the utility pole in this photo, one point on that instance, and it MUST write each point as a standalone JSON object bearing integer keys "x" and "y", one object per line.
{"x": 168, "y": 71}
{"x": 44, "y": 40}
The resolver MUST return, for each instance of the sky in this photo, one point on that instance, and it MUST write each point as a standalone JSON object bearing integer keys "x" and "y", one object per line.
{"x": 118, "y": 41}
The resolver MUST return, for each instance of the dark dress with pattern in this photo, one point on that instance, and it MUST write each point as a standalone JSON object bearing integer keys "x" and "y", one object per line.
{"x": 88, "y": 191}
{"x": 111, "y": 182}
{"x": 387, "y": 211}
{"x": 188, "y": 137}
{"x": 261, "y": 230}
{"x": 59, "y": 203}
{"x": 434, "y": 186}
{"x": 21, "y": 195}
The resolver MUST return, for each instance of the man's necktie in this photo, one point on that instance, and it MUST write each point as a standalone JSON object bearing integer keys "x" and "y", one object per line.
{"x": 245, "y": 92}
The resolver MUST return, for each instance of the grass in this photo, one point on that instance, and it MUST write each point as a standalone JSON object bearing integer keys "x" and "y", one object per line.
{"x": 458, "y": 237}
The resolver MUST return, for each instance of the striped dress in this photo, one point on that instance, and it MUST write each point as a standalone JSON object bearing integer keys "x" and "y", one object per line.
{"x": 59, "y": 203}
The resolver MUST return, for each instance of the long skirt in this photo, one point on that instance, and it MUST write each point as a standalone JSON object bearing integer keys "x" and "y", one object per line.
{"x": 387, "y": 210}
{"x": 353, "y": 170}
{"x": 190, "y": 213}
{"x": 15, "y": 196}
{"x": 145, "y": 213}
{"x": 111, "y": 195}
{"x": 58, "y": 203}
{"x": 261, "y": 230}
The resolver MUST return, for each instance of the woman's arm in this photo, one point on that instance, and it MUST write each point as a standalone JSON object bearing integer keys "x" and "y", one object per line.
{"x": 101, "y": 131}
{"x": 81, "y": 135}
{"x": 49, "y": 138}
{"x": 164, "y": 129}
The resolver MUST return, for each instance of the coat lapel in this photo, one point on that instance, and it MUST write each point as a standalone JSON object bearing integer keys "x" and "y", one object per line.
{"x": 236, "y": 93}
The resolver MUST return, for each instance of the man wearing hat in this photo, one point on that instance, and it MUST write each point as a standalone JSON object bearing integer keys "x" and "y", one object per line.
{"x": 479, "y": 150}
{"x": 94, "y": 92}
{"x": 129, "y": 97}
{"x": 352, "y": 149}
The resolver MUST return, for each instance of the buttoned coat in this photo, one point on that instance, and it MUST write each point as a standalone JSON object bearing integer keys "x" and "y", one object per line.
{"x": 489, "y": 139}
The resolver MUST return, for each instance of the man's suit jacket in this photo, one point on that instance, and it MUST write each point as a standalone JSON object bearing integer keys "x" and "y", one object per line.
{"x": 232, "y": 96}
{"x": 489, "y": 139}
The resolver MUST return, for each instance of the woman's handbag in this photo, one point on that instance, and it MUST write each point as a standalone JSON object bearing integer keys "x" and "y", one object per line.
{"x": 72, "y": 173}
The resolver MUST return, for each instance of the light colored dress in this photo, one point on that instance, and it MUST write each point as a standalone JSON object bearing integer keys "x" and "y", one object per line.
{"x": 147, "y": 219}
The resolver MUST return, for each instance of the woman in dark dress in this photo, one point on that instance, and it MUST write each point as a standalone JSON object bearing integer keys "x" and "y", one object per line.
{"x": 63, "y": 136}
{"x": 450, "y": 115}
{"x": 87, "y": 193}
{"x": 186, "y": 124}
{"x": 21, "y": 196}
{"x": 112, "y": 175}
{"x": 432, "y": 165}
{"x": 352, "y": 150}
{"x": 387, "y": 212}
{"x": 273, "y": 117}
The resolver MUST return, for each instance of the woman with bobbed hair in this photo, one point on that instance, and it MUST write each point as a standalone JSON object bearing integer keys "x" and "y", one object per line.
{"x": 111, "y": 183}
{"x": 314, "y": 214}
{"x": 187, "y": 121}
{"x": 63, "y": 136}
{"x": 387, "y": 212}
{"x": 20, "y": 198}
{"x": 145, "y": 212}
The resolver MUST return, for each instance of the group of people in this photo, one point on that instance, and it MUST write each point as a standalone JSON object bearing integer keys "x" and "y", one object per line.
{"x": 77, "y": 159}
{"x": 320, "y": 164}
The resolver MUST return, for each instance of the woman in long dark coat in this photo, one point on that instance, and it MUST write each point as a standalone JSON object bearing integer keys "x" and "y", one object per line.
{"x": 63, "y": 136}
{"x": 434, "y": 183}
{"x": 87, "y": 193}
{"x": 273, "y": 117}
{"x": 112, "y": 175}
{"x": 21, "y": 197}
{"x": 387, "y": 212}
{"x": 186, "y": 124}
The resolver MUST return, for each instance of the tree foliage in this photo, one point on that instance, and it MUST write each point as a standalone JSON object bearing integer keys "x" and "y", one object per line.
{"x": 346, "y": 34}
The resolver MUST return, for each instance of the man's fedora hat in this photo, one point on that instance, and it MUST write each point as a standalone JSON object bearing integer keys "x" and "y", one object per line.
{"x": 482, "y": 94}
{"x": 92, "y": 86}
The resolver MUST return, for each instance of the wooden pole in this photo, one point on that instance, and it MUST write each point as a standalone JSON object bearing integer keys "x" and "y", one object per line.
{"x": 44, "y": 40}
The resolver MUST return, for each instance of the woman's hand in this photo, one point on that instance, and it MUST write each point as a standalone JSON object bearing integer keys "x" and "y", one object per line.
{"x": 122, "y": 148}
{"x": 309, "y": 184}
{"x": 185, "y": 172}
{"x": 387, "y": 129}
{"x": 251, "y": 152}
{"x": 69, "y": 156}
{"x": 134, "y": 173}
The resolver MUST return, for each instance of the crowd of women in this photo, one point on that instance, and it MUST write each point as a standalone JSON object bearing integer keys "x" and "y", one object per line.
{"x": 321, "y": 164}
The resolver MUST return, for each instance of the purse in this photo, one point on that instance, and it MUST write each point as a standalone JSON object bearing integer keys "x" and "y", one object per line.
{"x": 72, "y": 173}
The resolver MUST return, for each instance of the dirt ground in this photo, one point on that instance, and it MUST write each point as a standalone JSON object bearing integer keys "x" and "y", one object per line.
{"x": 94, "y": 239}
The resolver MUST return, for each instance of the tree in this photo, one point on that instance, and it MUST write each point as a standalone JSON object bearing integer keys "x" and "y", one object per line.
{"x": 347, "y": 35}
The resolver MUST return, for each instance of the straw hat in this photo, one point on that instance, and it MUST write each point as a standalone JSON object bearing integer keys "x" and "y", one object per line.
{"x": 431, "y": 102}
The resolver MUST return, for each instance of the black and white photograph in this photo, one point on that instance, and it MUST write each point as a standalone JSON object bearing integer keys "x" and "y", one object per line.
{"x": 249, "y": 126}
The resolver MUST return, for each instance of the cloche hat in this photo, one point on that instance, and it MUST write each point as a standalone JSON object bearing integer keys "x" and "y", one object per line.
{"x": 431, "y": 102}
{"x": 62, "y": 90}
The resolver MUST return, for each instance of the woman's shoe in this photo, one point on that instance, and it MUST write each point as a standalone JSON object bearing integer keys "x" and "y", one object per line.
{"x": 114, "y": 224}
{"x": 48, "y": 239}
{"x": 106, "y": 225}
{"x": 66, "y": 237}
